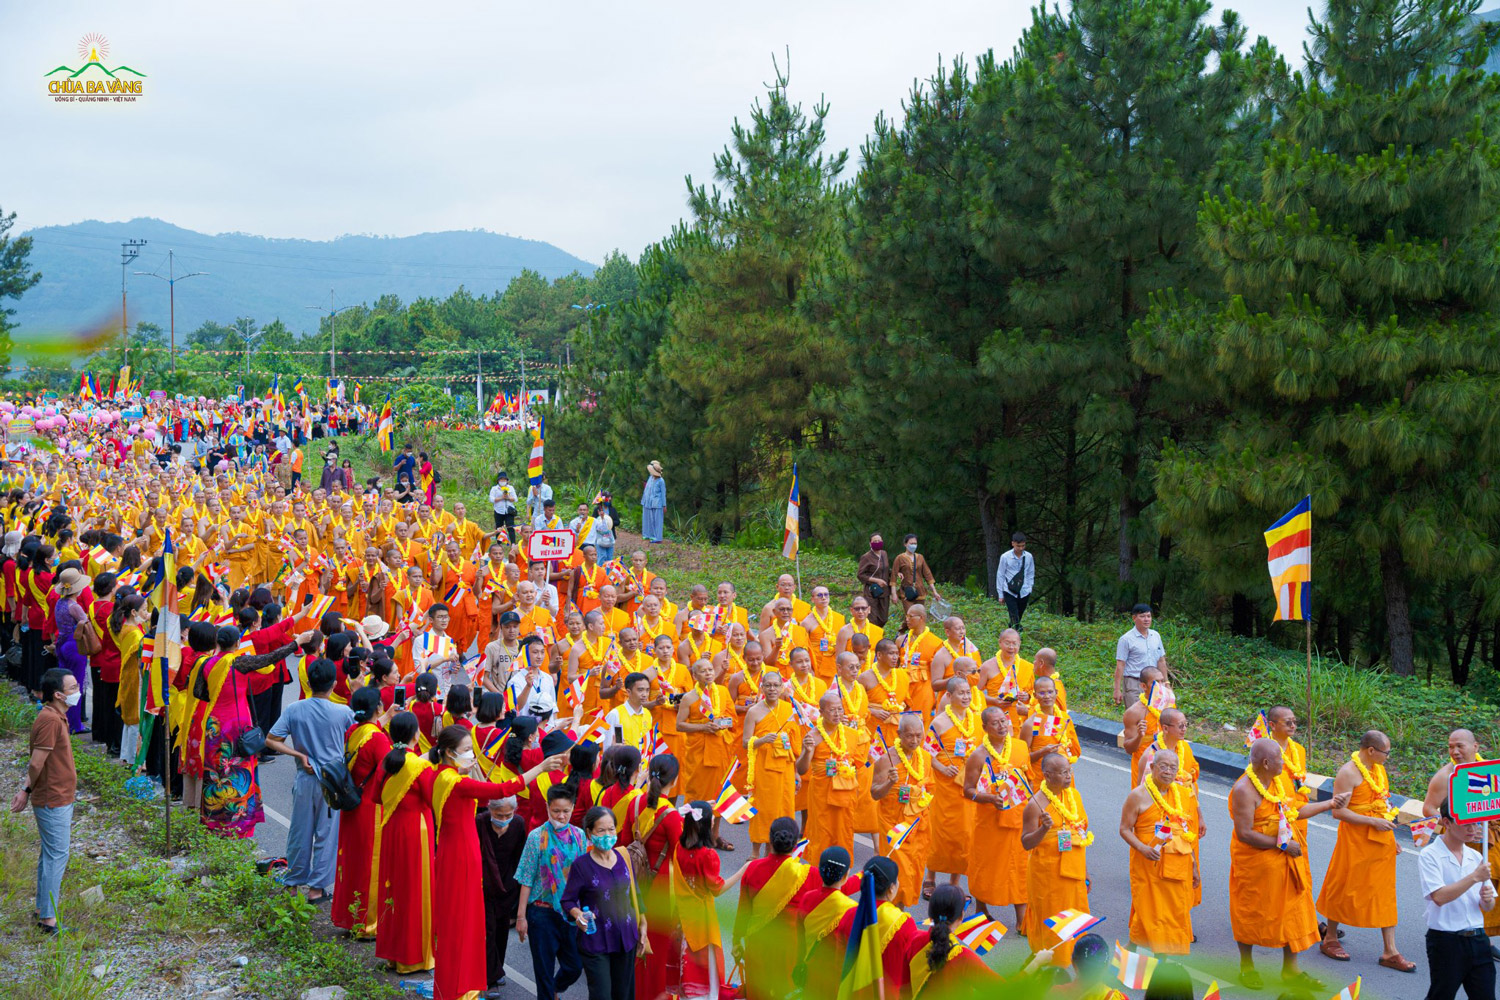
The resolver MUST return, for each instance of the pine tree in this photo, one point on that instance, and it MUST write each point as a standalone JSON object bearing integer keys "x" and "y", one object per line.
{"x": 1358, "y": 359}
{"x": 1108, "y": 123}
{"x": 15, "y": 278}
{"x": 739, "y": 339}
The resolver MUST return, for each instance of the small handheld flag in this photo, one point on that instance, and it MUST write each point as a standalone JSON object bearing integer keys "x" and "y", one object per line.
{"x": 1161, "y": 697}
{"x": 1134, "y": 970}
{"x": 1423, "y": 830}
{"x": 1289, "y": 561}
{"x": 1260, "y": 729}
{"x": 979, "y": 933}
{"x": 898, "y": 834}
{"x": 1071, "y": 924}
{"x": 1213, "y": 991}
{"x": 1350, "y": 992}
{"x": 801, "y": 848}
{"x": 731, "y": 804}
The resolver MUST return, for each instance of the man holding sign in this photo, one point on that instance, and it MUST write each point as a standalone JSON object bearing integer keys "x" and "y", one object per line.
{"x": 1456, "y": 885}
{"x": 1463, "y": 748}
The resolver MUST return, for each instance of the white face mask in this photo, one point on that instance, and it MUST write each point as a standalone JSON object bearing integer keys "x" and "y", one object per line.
{"x": 465, "y": 760}
{"x": 74, "y": 698}
{"x": 911, "y": 546}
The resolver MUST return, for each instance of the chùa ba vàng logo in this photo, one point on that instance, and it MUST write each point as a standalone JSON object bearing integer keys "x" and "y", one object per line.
{"x": 95, "y": 80}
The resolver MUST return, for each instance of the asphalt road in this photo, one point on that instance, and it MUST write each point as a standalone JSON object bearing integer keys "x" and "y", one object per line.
{"x": 1102, "y": 781}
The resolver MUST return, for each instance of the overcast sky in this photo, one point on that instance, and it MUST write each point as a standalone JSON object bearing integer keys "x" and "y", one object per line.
{"x": 572, "y": 123}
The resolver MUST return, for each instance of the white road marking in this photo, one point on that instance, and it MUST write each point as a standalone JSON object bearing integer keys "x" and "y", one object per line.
{"x": 528, "y": 985}
{"x": 273, "y": 814}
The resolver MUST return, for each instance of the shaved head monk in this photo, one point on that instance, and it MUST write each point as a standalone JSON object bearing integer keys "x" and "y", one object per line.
{"x": 1360, "y": 886}
{"x": 1270, "y": 886}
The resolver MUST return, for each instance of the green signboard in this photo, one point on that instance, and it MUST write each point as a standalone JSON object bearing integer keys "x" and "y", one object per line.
{"x": 1474, "y": 791}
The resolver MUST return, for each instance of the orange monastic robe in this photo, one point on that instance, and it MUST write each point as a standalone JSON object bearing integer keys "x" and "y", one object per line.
{"x": 807, "y": 692}
{"x": 952, "y": 811}
{"x": 893, "y": 693}
{"x": 707, "y": 755}
{"x": 832, "y": 783}
{"x": 1000, "y": 877}
{"x": 909, "y": 801}
{"x": 1057, "y": 880}
{"x": 771, "y": 774}
{"x": 1270, "y": 892}
{"x": 916, "y": 657}
{"x": 820, "y": 641}
{"x": 675, "y": 681}
{"x": 1161, "y": 891}
{"x": 1359, "y": 889}
{"x": 1065, "y": 739}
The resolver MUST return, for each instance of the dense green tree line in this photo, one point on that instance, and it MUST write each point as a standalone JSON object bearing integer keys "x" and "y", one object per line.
{"x": 1133, "y": 290}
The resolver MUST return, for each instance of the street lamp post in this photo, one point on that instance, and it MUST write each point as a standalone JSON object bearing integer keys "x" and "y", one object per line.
{"x": 172, "y": 278}
{"x": 332, "y": 336}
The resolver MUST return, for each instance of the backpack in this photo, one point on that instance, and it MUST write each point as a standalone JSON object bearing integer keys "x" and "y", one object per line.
{"x": 339, "y": 789}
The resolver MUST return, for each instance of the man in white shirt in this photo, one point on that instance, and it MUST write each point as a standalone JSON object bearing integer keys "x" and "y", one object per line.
{"x": 1137, "y": 649}
{"x": 546, "y": 593}
{"x": 537, "y": 498}
{"x": 631, "y": 722}
{"x": 1456, "y": 885}
{"x": 1015, "y": 577}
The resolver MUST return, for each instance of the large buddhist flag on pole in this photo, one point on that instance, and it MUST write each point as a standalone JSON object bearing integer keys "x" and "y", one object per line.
{"x": 793, "y": 502}
{"x": 1289, "y": 558}
{"x": 534, "y": 467}
{"x": 386, "y": 426}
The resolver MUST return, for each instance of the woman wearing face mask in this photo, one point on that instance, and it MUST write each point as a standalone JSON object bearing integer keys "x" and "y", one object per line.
{"x": 460, "y": 948}
{"x": 355, "y": 880}
{"x": 609, "y": 938}
{"x": 502, "y": 838}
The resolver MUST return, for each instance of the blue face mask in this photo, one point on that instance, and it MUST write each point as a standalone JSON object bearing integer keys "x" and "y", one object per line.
{"x": 501, "y": 824}
{"x": 605, "y": 841}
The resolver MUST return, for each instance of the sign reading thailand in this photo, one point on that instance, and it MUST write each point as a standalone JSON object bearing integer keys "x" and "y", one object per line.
{"x": 1474, "y": 791}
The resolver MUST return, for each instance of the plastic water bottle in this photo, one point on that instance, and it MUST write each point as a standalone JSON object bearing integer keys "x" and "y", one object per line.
{"x": 589, "y": 926}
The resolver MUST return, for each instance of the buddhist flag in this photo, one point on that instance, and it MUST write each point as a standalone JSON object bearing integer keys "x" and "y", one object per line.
{"x": 1350, "y": 992}
{"x": 1161, "y": 697}
{"x": 538, "y": 440}
{"x": 979, "y": 933}
{"x": 122, "y": 386}
{"x": 1071, "y": 924}
{"x": 1260, "y": 729}
{"x": 793, "y": 504}
{"x": 801, "y": 848}
{"x": 862, "y": 957}
{"x": 1134, "y": 970}
{"x": 386, "y": 426}
{"x": 1289, "y": 559}
{"x": 898, "y": 834}
{"x": 314, "y": 611}
{"x": 1213, "y": 991}
{"x": 733, "y": 806}
{"x": 1423, "y": 830}
{"x": 298, "y": 387}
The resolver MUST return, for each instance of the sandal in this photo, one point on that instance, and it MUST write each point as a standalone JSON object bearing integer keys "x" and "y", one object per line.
{"x": 927, "y": 889}
{"x": 1250, "y": 979}
{"x": 723, "y": 845}
{"x": 1333, "y": 950}
{"x": 1399, "y": 963}
{"x": 1302, "y": 981}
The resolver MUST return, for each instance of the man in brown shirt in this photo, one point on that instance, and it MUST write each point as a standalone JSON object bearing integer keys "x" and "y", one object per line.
{"x": 50, "y": 786}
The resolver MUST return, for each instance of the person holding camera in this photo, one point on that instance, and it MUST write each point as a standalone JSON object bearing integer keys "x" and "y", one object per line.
{"x": 316, "y": 727}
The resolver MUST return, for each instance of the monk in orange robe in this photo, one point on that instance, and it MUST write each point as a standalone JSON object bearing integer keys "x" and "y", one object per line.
{"x": 918, "y": 647}
{"x": 1008, "y": 679}
{"x": 1142, "y": 723}
{"x": 1173, "y": 739}
{"x": 957, "y": 731}
{"x": 706, "y": 718}
{"x": 771, "y": 733}
{"x": 993, "y": 782}
{"x": 1270, "y": 887}
{"x": 1055, "y": 830}
{"x": 1049, "y": 729}
{"x": 902, "y": 786}
{"x": 1161, "y": 824}
{"x": 671, "y": 680}
{"x": 822, "y": 625}
{"x": 857, "y": 717}
{"x": 830, "y": 755}
{"x": 1359, "y": 888}
{"x": 888, "y": 691}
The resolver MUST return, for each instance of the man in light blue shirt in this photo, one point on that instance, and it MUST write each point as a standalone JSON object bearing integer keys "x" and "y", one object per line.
{"x": 316, "y": 727}
{"x": 1137, "y": 649}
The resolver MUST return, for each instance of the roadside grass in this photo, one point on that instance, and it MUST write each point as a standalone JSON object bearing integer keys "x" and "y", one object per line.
{"x": 1222, "y": 680}
{"x": 207, "y": 902}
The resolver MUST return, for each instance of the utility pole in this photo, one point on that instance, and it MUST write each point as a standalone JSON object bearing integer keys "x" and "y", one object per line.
{"x": 332, "y": 342}
{"x": 129, "y": 251}
{"x": 524, "y": 400}
{"x": 172, "y": 278}
{"x": 479, "y": 384}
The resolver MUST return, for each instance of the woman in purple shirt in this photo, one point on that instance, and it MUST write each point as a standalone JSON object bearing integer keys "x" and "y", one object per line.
{"x": 70, "y": 583}
{"x": 602, "y": 881}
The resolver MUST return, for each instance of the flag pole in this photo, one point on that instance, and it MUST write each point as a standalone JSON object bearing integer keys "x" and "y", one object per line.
{"x": 1308, "y": 622}
{"x": 798, "y": 560}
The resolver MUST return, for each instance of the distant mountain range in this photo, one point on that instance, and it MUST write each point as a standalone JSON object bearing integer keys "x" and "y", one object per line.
{"x": 260, "y": 277}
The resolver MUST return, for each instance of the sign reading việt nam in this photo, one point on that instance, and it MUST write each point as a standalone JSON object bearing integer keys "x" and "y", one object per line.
{"x": 1474, "y": 791}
